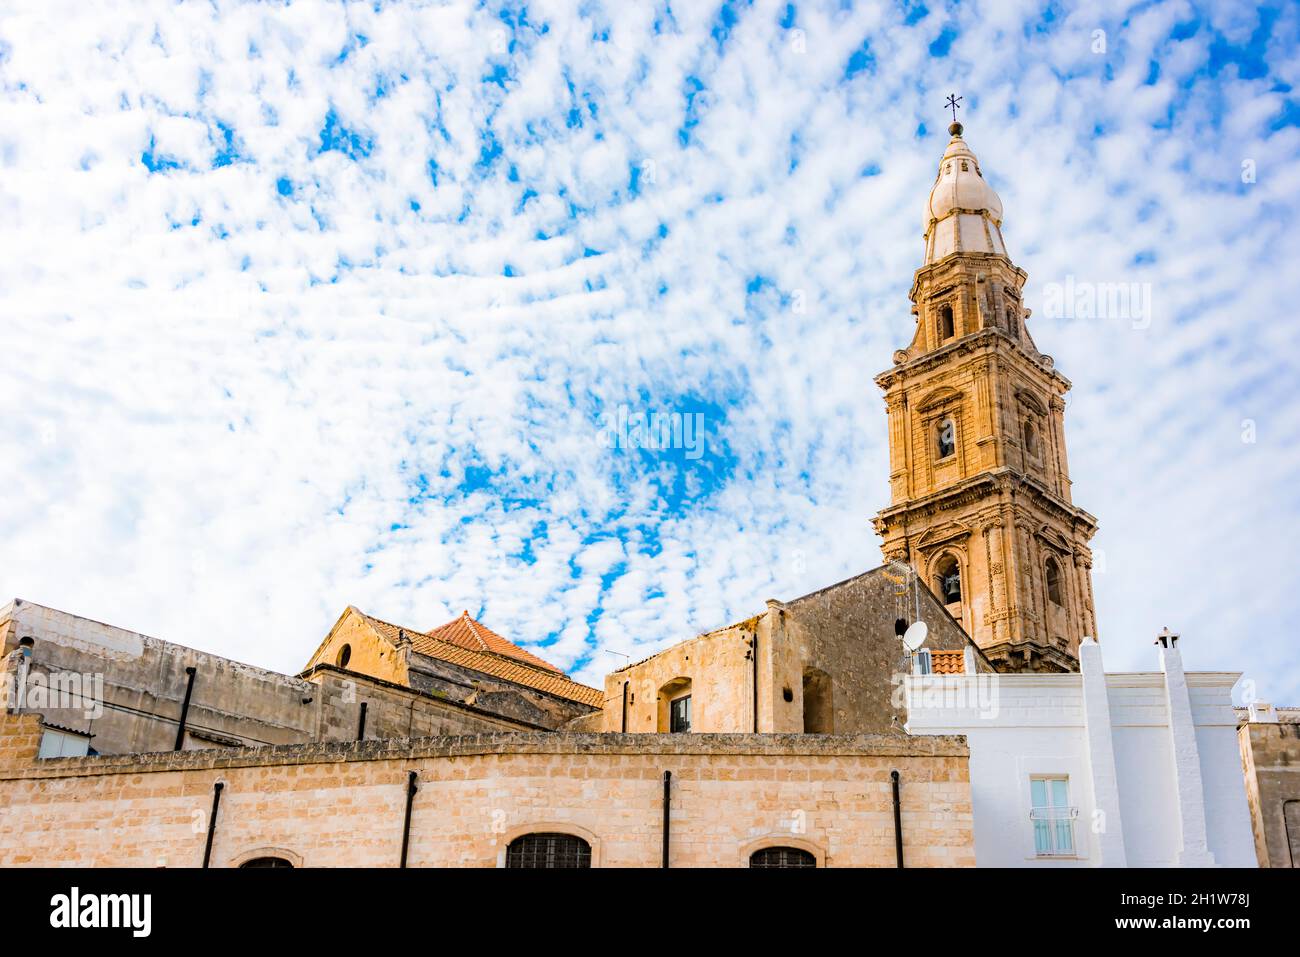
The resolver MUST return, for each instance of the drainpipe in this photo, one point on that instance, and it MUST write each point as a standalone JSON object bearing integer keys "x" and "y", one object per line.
{"x": 406, "y": 825}
{"x": 625, "y": 707}
{"x": 185, "y": 710}
{"x": 212, "y": 821}
{"x": 668, "y": 780}
{"x": 361, "y": 723}
{"x": 898, "y": 820}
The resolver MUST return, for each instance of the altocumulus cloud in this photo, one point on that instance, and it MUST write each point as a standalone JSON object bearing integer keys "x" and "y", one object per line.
{"x": 306, "y": 305}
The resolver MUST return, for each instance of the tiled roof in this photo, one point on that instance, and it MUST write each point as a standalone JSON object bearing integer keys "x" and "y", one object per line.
{"x": 476, "y": 636}
{"x": 472, "y": 645}
{"x": 947, "y": 662}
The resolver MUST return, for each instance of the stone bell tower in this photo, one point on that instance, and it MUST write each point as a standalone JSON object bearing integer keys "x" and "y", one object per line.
{"x": 980, "y": 492}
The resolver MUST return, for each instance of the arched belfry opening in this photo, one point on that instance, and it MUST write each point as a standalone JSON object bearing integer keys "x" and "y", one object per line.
{"x": 947, "y": 580}
{"x": 947, "y": 326}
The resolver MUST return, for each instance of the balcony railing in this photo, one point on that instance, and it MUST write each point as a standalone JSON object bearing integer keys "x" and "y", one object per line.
{"x": 1054, "y": 831}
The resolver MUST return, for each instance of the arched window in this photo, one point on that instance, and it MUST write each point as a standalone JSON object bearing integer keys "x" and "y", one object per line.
{"x": 946, "y": 326}
{"x": 1052, "y": 573}
{"x": 548, "y": 850}
{"x": 266, "y": 862}
{"x": 1031, "y": 439}
{"x": 946, "y": 437}
{"x": 344, "y": 656}
{"x": 818, "y": 703}
{"x": 948, "y": 578}
{"x": 782, "y": 857}
{"x": 675, "y": 706}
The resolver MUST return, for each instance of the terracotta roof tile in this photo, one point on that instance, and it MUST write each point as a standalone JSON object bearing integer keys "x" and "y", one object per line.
{"x": 472, "y": 645}
{"x": 476, "y": 636}
{"x": 947, "y": 662}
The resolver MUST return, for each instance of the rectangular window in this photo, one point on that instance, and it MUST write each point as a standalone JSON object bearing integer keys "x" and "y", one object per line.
{"x": 680, "y": 714}
{"x": 921, "y": 664}
{"x": 1053, "y": 816}
{"x": 61, "y": 744}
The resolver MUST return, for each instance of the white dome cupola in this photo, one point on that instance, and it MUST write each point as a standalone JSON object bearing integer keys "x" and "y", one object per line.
{"x": 963, "y": 214}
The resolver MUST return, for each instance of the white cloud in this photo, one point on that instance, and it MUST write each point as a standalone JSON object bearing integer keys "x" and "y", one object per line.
{"x": 214, "y": 427}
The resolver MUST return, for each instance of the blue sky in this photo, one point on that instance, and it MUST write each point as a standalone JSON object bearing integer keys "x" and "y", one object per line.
{"x": 307, "y": 305}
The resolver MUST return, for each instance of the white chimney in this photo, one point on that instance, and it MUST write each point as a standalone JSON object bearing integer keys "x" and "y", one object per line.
{"x": 1261, "y": 712}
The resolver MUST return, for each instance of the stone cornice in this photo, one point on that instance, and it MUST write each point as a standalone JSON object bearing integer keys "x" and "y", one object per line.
{"x": 981, "y": 486}
{"x": 954, "y": 261}
{"x": 1063, "y": 660}
{"x": 503, "y": 743}
{"x": 990, "y": 341}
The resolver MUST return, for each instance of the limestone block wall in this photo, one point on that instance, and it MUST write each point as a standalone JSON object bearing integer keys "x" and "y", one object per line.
{"x": 846, "y": 631}
{"x": 354, "y": 643}
{"x": 141, "y": 685}
{"x": 712, "y": 668}
{"x": 342, "y": 804}
{"x": 841, "y": 636}
{"x": 144, "y": 680}
{"x": 393, "y": 711}
{"x": 453, "y": 682}
{"x": 1271, "y": 757}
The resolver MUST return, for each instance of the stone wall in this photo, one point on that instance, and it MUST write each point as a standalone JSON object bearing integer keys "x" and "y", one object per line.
{"x": 1271, "y": 756}
{"x": 846, "y": 632}
{"x": 842, "y": 636}
{"x": 714, "y": 669}
{"x": 342, "y": 804}
{"x": 527, "y": 706}
{"x": 142, "y": 682}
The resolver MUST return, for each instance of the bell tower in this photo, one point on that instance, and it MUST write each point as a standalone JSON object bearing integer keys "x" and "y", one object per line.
{"x": 980, "y": 490}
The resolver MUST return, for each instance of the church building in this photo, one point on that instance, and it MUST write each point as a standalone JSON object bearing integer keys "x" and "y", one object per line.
{"x": 930, "y": 712}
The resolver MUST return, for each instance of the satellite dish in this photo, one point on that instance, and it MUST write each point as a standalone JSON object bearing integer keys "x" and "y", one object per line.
{"x": 915, "y": 635}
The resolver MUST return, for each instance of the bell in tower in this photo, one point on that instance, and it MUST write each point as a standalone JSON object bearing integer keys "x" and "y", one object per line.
{"x": 980, "y": 498}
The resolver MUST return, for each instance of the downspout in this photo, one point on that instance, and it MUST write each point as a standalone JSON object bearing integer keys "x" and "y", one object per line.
{"x": 185, "y": 712}
{"x": 361, "y": 723}
{"x": 1290, "y": 848}
{"x": 625, "y": 707}
{"x": 668, "y": 780}
{"x": 898, "y": 820}
{"x": 212, "y": 822}
{"x": 406, "y": 825}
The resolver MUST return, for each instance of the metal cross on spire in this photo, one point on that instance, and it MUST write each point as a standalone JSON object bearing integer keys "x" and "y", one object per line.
{"x": 954, "y": 104}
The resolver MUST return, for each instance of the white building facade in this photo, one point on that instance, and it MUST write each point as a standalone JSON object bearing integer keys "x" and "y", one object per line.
{"x": 1096, "y": 770}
